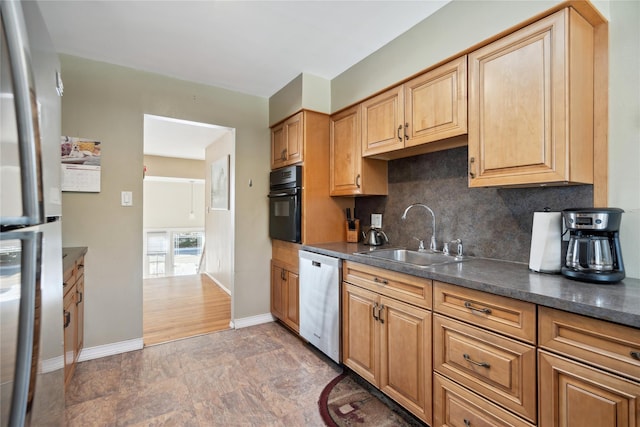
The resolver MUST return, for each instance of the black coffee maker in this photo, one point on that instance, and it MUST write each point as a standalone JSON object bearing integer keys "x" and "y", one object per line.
{"x": 593, "y": 254}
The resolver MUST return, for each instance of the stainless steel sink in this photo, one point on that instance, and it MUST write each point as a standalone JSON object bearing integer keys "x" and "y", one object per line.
{"x": 416, "y": 258}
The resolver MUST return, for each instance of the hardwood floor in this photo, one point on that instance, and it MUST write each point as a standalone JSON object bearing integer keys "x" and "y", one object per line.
{"x": 183, "y": 306}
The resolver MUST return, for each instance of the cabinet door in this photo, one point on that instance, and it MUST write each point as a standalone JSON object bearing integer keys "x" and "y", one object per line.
{"x": 383, "y": 122}
{"x": 80, "y": 313}
{"x": 521, "y": 100}
{"x": 345, "y": 160}
{"x": 576, "y": 395}
{"x": 436, "y": 104}
{"x": 360, "y": 332}
{"x": 278, "y": 284}
{"x": 278, "y": 146}
{"x": 405, "y": 356}
{"x": 294, "y": 128}
{"x": 69, "y": 319}
{"x": 292, "y": 301}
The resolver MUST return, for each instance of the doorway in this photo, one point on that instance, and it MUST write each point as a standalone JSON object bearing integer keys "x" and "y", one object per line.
{"x": 181, "y": 295}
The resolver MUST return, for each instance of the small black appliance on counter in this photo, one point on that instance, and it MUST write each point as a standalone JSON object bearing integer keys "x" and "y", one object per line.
{"x": 593, "y": 254}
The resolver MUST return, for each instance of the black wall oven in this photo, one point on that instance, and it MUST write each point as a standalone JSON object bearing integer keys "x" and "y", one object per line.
{"x": 285, "y": 203}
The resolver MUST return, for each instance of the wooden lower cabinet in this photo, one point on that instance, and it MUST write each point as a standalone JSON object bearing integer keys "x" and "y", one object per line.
{"x": 455, "y": 406}
{"x": 70, "y": 322}
{"x": 73, "y": 315}
{"x": 573, "y": 394}
{"x": 284, "y": 295}
{"x": 388, "y": 343}
{"x": 501, "y": 369}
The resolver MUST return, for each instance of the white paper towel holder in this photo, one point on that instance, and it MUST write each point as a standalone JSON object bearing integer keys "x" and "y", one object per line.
{"x": 546, "y": 242}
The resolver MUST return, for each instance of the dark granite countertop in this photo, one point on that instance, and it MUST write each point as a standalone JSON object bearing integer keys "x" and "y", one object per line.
{"x": 618, "y": 302}
{"x": 70, "y": 255}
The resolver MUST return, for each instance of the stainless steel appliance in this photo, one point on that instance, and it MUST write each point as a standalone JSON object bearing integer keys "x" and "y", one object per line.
{"x": 31, "y": 327}
{"x": 320, "y": 302}
{"x": 375, "y": 237}
{"x": 594, "y": 253}
{"x": 285, "y": 204}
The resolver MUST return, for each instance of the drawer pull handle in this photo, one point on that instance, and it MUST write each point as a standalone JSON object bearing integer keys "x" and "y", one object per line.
{"x": 67, "y": 318}
{"x": 383, "y": 281}
{"x": 375, "y": 316}
{"x": 470, "y": 360}
{"x": 80, "y": 297}
{"x": 635, "y": 355}
{"x": 483, "y": 310}
{"x": 399, "y": 129}
{"x": 467, "y": 423}
{"x": 380, "y": 313}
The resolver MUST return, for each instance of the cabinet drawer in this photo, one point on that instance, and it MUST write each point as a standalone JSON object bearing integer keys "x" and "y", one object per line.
{"x": 607, "y": 345}
{"x": 501, "y": 369}
{"x": 406, "y": 288}
{"x": 500, "y": 314}
{"x": 454, "y": 406}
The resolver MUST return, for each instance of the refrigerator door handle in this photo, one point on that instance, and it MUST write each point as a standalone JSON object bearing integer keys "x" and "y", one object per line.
{"x": 29, "y": 332}
{"x": 26, "y": 115}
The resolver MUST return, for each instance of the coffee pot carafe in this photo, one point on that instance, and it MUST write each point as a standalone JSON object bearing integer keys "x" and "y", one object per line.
{"x": 593, "y": 253}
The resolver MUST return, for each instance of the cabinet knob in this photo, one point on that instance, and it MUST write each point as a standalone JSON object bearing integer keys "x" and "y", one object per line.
{"x": 635, "y": 354}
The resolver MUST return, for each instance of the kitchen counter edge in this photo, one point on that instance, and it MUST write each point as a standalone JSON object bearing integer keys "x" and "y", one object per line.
{"x": 619, "y": 302}
{"x": 70, "y": 255}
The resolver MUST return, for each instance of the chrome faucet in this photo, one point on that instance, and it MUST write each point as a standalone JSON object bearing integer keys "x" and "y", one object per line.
{"x": 432, "y": 245}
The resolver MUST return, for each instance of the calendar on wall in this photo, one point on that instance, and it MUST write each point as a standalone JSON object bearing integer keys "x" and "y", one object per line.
{"x": 80, "y": 159}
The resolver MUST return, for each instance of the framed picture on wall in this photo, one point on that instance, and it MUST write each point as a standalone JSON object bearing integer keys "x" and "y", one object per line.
{"x": 220, "y": 184}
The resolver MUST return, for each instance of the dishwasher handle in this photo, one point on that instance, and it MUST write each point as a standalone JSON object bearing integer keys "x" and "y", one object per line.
{"x": 316, "y": 264}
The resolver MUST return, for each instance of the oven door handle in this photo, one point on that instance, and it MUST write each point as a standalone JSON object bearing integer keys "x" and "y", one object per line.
{"x": 284, "y": 193}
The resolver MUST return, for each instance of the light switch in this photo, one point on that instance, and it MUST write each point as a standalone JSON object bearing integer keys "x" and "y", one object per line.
{"x": 126, "y": 198}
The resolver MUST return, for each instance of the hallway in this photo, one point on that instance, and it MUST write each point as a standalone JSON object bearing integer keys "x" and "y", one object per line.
{"x": 183, "y": 306}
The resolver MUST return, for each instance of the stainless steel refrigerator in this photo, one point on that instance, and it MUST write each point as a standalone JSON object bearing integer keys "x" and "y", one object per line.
{"x": 31, "y": 308}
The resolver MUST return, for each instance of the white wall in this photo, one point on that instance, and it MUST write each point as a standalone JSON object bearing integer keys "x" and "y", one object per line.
{"x": 168, "y": 204}
{"x": 219, "y": 224}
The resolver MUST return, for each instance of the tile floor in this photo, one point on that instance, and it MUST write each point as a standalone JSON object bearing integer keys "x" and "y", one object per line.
{"x": 257, "y": 376}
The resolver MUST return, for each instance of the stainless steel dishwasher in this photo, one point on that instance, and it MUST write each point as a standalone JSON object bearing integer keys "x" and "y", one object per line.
{"x": 320, "y": 302}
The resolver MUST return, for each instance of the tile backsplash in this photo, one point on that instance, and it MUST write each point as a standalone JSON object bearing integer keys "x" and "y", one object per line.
{"x": 492, "y": 222}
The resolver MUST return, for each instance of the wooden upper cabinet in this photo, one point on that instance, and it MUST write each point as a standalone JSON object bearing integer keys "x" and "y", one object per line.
{"x": 428, "y": 108}
{"x": 531, "y": 105}
{"x": 436, "y": 104}
{"x": 383, "y": 122}
{"x": 350, "y": 173}
{"x": 287, "y": 142}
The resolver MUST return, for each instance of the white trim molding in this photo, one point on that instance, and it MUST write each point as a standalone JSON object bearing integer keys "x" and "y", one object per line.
{"x": 253, "y": 320}
{"x": 218, "y": 283}
{"x": 110, "y": 349}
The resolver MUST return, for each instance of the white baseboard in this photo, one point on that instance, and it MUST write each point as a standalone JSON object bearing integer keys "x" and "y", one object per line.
{"x": 110, "y": 349}
{"x": 253, "y": 320}
{"x": 218, "y": 283}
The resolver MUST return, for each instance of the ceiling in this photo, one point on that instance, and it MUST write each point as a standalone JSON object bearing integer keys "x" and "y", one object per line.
{"x": 253, "y": 47}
